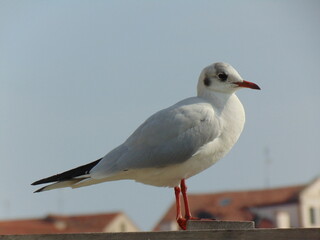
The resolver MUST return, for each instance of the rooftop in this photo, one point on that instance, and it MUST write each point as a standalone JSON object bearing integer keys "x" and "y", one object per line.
{"x": 234, "y": 205}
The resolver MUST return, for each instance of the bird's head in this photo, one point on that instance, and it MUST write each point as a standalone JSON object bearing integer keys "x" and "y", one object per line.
{"x": 222, "y": 77}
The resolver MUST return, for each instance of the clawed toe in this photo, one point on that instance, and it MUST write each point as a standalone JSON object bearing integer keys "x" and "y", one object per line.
{"x": 182, "y": 222}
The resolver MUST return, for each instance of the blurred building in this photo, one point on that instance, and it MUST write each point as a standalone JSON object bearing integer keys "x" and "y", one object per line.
{"x": 293, "y": 206}
{"x": 52, "y": 224}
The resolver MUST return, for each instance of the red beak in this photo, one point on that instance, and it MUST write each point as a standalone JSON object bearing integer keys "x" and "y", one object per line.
{"x": 246, "y": 84}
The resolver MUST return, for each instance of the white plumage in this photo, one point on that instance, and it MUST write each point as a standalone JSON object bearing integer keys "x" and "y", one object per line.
{"x": 174, "y": 143}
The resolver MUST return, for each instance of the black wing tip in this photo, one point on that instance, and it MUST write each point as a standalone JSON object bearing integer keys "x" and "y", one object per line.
{"x": 37, "y": 182}
{"x": 46, "y": 180}
{"x": 68, "y": 174}
{"x": 39, "y": 190}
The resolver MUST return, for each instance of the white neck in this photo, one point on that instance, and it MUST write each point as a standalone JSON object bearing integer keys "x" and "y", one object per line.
{"x": 218, "y": 98}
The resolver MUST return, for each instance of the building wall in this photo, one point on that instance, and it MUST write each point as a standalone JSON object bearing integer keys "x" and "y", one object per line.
{"x": 310, "y": 205}
{"x": 121, "y": 224}
{"x": 284, "y": 215}
{"x": 169, "y": 226}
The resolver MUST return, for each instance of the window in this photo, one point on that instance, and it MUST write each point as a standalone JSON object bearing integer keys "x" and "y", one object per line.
{"x": 225, "y": 202}
{"x": 312, "y": 215}
{"x": 205, "y": 215}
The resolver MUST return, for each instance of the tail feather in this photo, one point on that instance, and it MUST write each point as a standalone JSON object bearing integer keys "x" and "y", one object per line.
{"x": 56, "y": 185}
{"x": 66, "y": 178}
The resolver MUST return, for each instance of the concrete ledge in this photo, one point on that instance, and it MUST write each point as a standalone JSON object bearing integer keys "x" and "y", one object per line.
{"x": 219, "y": 225}
{"x": 253, "y": 234}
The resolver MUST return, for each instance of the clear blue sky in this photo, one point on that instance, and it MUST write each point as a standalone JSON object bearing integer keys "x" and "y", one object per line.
{"x": 77, "y": 77}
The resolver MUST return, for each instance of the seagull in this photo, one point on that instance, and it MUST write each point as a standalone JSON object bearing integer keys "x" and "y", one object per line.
{"x": 173, "y": 144}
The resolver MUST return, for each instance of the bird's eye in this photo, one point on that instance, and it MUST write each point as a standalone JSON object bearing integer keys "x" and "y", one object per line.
{"x": 223, "y": 77}
{"x": 207, "y": 81}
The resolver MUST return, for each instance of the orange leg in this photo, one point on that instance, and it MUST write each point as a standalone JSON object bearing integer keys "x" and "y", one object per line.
{"x": 178, "y": 207}
{"x": 180, "y": 220}
{"x": 185, "y": 199}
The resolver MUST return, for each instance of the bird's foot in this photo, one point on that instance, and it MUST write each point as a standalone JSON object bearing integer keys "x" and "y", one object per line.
{"x": 182, "y": 222}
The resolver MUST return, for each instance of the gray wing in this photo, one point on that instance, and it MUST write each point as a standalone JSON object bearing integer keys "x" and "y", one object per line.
{"x": 168, "y": 137}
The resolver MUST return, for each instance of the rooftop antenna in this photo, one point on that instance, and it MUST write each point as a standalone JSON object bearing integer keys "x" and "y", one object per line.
{"x": 267, "y": 163}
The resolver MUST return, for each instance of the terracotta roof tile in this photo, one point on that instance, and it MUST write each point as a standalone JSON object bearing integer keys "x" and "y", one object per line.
{"x": 58, "y": 224}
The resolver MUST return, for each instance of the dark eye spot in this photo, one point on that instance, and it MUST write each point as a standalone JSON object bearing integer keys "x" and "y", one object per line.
{"x": 223, "y": 77}
{"x": 207, "y": 81}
